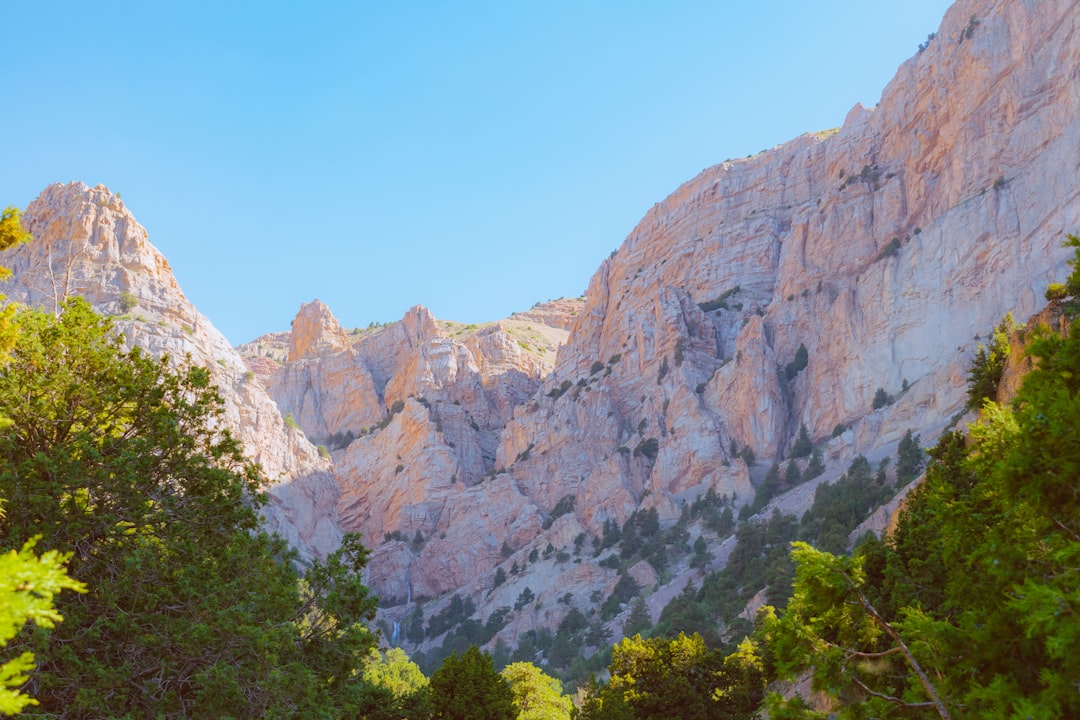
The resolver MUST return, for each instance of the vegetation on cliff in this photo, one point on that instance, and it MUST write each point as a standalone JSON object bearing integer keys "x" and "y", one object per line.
{"x": 970, "y": 609}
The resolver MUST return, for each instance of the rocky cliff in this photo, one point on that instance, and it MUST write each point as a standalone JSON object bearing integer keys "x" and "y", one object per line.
{"x": 765, "y": 294}
{"x": 883, "y": 247}
{"x": 86, "y": 242}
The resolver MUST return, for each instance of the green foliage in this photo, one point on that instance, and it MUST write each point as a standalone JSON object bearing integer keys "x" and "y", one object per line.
{"x": 12, "y": 233}
{"x": 28, "y": 584}
{"x": 557, "y": 392}
{"x": 524, "y": 598}
{"x": 638, "y": 621}
{"x": 909, "y": 459}
{"x": 121, "y": 462}
{"x": 840, "y": 506}
{"x": 815, "y": 467}
{"x": 797, "y": 365}
{"x": 128, "y": 301}
{"x": 405, "y": 692}
{"x": 803, "y": 446}
{"x": 623, "y": 592}
{"x": 832, "y": 629}
{"x": 564, "y": 506}
{"x": 988, "y": 365}
{"x": 891, "y": 249}
{"x": 648, "y": 448}
{"x": 839, "y": 430}
{"x": 882, "y": 398}
{"x": 719, "y": 302}
{"x": 537, "y": 696}
{"x": 971, "y": 606}
{"x": 466, "y": 687}
{"x": 747, "y": 455}
{"x": 1056, "y": 291}
{"x": 1072, "y": 283}
{"x": 456, "y": 611}
{"x": 662, "y": 678}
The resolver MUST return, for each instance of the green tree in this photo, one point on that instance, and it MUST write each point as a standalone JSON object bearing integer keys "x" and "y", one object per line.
{"x": 803, "y": 446}
{"x": 638, "y": 621}
{"x": 815, "y": 467}
{"x": 798, "y": 364}
{"x": 1072, "y": 284}
{"x": 537, "y": 696}
{"x": 831, "y": 628}
{"x": 970, "y": 607}
{"x": 679, "y": 677}
{"x": 28, "y": 584}
{"x": 407, "y": 687}
{"x": 122, "y": 462}
{"x": 909, "y": 459}
{"x": 882, "y": 398}
{"x": 466, "y": 687}
{"x": 989, "y": 364}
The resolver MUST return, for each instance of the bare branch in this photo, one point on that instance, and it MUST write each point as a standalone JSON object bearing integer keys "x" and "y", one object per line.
{"x": 890, "y": 698}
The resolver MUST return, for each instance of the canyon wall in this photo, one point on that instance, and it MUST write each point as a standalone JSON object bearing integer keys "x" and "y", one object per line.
{"x": 465, "y": 453}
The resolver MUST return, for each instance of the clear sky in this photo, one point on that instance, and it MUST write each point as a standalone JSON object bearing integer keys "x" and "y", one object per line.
{"x": 473, "y": 157}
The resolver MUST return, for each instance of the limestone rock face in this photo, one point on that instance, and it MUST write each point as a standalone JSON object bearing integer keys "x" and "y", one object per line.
{"x": 480, "y": 461}
{"x": 412, "y": 413}
{"x": 87, "y": 243}
{"x": 884, "y": 247}
{"x": 315, "y": 331}
{"x": 553, "y": 313}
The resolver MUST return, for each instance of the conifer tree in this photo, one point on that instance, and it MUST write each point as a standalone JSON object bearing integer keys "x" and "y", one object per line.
{"x": 120, "y": 461}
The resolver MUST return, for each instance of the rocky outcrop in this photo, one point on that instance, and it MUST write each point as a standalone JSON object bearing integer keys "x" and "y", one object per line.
{"x": 883, "y": 247}
{"x": 315, "y": 331}
{"x": 468, "y": 453}
{"x": 87, "y": 243}
{"x": 558, "y": 314}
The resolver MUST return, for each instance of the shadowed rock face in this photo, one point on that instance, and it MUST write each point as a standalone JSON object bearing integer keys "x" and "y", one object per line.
{"x": 884, "y": 247}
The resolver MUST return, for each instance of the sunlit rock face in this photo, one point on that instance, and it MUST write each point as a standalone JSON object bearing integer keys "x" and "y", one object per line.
{"x": 884, "y": 247}
{"x": 86, "y": 242}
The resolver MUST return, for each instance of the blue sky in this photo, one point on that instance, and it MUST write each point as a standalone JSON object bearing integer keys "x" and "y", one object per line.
{"x": 472, "y": 157}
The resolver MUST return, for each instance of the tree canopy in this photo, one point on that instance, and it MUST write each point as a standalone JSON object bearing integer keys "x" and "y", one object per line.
{"x": 537, "y": 696}
{"x": 116, "y": 459}
{"x": 466, "y": 687}
{"x": 971, "y": 608}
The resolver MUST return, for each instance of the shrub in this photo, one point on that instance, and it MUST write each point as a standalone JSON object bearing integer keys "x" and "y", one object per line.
{"x": 526, "y": 597}
{"x": 128, "y": 301}
{"x": 291, "y": 422}
{"x": 1056, "y": 291}
{"x": 891, "y": 249}
{"x": 839, "y": 430}
{"x": 882, "y": 398}
{"x": 748, "y": 457}
{"x": 797, "y": 365}
{"x": 720, "y": 302}
{"x": 564, "y": 506}
{"x": 556, "y": 393}
{"x": 649, "y": 448}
